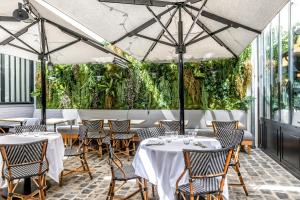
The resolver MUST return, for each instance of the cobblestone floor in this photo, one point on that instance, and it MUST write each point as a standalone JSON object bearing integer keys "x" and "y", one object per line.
{"x": 264, "y": 178}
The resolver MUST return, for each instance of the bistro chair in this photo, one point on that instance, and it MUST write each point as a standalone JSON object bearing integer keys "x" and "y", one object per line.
{"x": 145, "y": 133}
{"x": 30, "y": 129}
{"x": 27, "y": 160}
{"x": 170, "y": 125}
{"x": 224, "y": 124}
{"x": 207, "y": 170}
{"x": 233, "y": 138}
{"x": 123, "y": 173}
{"x": 119, "y": 134}
{"x": 95, "y": 133}
{"x": 32, "y": 122}
{"x": 77, "y": 151}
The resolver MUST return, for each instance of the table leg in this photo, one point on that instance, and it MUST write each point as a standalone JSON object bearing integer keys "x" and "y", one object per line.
{"x": 54, "y": 126}
{"x": 145, "y": 189}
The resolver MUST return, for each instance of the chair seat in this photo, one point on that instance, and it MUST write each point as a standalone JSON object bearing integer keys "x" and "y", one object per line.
{"x": 129, "y": 171}
{"x": 25, "y": 171}
{"x": 95, "y": 135}
{"x": 247, "y": 135}
{"x": 202, "y": 186}
{"x": 123, "y": 136}
{"x": 72, "y": 152}
{"x": 67, "y": 129}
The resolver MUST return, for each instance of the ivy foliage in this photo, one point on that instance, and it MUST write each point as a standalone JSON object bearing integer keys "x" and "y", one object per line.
{"x": 213, "y": 84}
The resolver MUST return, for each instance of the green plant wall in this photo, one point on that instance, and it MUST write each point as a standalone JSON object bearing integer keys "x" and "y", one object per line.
{"x": 214, "y": 84}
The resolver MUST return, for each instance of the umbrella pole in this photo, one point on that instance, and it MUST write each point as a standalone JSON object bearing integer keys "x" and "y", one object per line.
{"x": 181, "y": 50}
{"x": 43, "y": 73}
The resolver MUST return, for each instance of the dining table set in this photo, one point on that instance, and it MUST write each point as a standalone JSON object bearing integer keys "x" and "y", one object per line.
{"x": 160, "y": 160}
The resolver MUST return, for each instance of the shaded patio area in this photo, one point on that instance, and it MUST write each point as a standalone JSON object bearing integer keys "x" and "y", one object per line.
{"x": 265, "y": 179}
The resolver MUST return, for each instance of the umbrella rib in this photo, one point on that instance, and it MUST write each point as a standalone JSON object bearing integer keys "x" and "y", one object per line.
{"x": 145, "y": 3}
{"x": 161, "y": 24}
{"x": 18, "y": 34}
{"x": 217, "y": 39}
{"x": 194, "y": 22}
{"x": 208, "y": 35}
{"x": 196, "y": 36}
{"x": 155, "y": 40}
{"x": 143, "y": 26}
{"x": 22, "y": 48}
{"x": 223, "y": 20}
{"x": 84, "y": 39}
{"x": 64, "y": 46}
{"x": 159, "y": 35}
{"x": 13, "y": 35}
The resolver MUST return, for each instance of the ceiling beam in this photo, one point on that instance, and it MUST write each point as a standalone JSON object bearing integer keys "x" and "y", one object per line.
{"x": 143, "y": 26}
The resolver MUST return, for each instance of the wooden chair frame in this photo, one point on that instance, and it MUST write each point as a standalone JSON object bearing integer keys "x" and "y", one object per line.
{"x": 125, "y": 142}
{"x": 40, "y": 180}
{"x": 219, "y": 195}
{"x": 114, "y": 161}
{"x": 84, "y": 168}
{"x": 98, "y": 140}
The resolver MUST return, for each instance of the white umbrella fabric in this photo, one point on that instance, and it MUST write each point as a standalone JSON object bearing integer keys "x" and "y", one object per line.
{"x": 161, "y": 31}
{"x": 48, "y": 35}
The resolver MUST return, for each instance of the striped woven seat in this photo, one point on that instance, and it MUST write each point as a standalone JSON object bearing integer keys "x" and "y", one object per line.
{"x": 128, "y": 170}
{"x": 30, "y": 129}
{"x": 25, "y": 171}
{"x": 202, "y": 186}
{"x": 207, "y": 170}
{"x": 120, "y": 172}
{"x": 73, "y": 152}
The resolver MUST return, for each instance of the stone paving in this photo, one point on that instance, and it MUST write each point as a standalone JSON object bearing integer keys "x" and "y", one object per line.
{"x": 264, "y": 178}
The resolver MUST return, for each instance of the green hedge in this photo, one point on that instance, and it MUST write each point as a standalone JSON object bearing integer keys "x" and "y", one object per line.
{"x": 214, "y": 84}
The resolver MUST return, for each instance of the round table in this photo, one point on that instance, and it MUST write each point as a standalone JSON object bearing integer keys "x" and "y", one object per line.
{"x": 54, "y": 154}
{"x": 162, "y": 165}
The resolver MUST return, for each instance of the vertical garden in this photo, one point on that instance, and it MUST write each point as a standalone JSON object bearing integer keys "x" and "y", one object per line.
{"x": 214, "y": 84}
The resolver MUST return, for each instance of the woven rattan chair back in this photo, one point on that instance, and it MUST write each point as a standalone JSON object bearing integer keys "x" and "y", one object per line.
{"x": 119, "y": 126}
{"x": 207, "y": 163}
{"x": 229, "y": 137}
{"x": 93, "y": 125}
{"x": 173, "y": 125}
{"x": 24, "y": 154}
{"x": 225, "y": 124}
{"x": 30, "y": 128}
{"x": 145, "y": 133}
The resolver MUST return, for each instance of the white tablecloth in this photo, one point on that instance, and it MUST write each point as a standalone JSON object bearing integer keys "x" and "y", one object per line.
{"x": 162, "y": 165}
{"x": 54, "y": 154}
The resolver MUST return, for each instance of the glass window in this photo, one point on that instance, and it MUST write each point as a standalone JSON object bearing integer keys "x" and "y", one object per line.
{"x": 267, "y": 72}
{"x": 284, "y": 63}
{"x": 295, "y": 48}
{"x": 275, "y": 114}
{"x": 16, "y": 79}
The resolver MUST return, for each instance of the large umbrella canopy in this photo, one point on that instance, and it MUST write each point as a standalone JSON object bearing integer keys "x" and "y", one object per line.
{"x": 37, "y": 31}
{"x": 124, "y": 24}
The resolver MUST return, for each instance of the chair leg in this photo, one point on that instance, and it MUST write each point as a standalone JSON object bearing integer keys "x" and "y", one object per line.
{"x": 10, "y": 190}
{"x": 61, "y": 178}
{"x": 100, "y": 148}
{"x": 140, "y": 183}
{"x": 249, "y": 149}
{"x": 111, "y": 191}
{"x": 87, "y": 166}
{"x": 237, "y": 170}
{"x": 41, "y": 188}
{"x": 127, "y": 149}
{"x": 153, "y": 191}
{"x": 145, "y": 189}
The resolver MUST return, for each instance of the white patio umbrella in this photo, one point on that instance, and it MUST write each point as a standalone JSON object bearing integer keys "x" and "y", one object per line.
{"x": 33, "y": 31}
{"x": 162, "y": 31}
